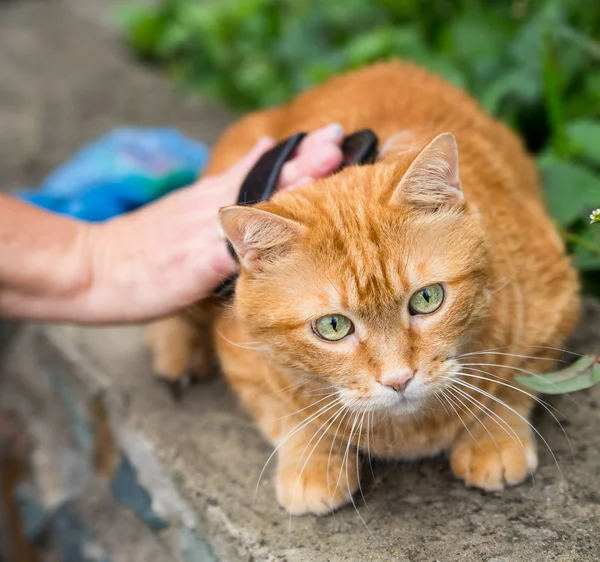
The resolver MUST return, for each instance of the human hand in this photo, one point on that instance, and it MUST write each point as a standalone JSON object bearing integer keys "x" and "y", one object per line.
{"x": 170, "y": 254}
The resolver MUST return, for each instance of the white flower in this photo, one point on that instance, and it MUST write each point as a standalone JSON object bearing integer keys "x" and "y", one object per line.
{"x": 595, "y": 216}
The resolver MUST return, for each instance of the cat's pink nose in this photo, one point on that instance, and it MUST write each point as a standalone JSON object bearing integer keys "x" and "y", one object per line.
{"x": 399, "y": 380}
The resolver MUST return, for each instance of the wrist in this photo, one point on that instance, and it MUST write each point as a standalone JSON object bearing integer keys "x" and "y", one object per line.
{"x": 44, "y": 267}
{"x": 157, "y": 260}
{"x": 70, "y": 273}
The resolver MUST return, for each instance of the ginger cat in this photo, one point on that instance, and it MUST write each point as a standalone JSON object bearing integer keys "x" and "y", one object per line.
{"x": 384, "y": 310}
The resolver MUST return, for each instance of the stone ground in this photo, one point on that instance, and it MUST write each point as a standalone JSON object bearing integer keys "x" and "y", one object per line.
{"x": 119, "y": 471}
{"x": 65, "y": 79}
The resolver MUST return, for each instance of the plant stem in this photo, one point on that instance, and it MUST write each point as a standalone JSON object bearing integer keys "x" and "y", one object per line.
{"x": 576, "y": 239}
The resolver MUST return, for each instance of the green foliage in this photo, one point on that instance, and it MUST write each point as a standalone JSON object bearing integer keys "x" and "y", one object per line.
{"x": 533, "y": 63}
{"x": 582, "y": 374}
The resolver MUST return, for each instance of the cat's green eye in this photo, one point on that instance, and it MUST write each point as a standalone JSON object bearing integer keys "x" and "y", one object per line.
{"x": 427, "y": 300}
{"x": 333, "y": 327}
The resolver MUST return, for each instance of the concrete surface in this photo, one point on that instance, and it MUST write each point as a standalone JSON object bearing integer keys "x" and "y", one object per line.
{"x": 121, "y": 472}
{"x": 199, "y": 461}
{"x": 65, "y": 79}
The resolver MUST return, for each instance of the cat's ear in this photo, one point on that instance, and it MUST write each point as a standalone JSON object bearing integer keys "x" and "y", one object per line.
{"x": 258, "y": 236}
{"x": 432, "y": 179}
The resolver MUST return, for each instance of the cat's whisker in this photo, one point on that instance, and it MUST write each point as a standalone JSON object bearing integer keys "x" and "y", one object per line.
{"x": 291, "y": 433}
{"x": 359, "y": 435}
{"x": 506, "y": 283}
{"x": 474, "y": 415}
{"x": 437, "y": 396}
{"x": 311, "y": 405}
{"x": 305, "y": 381}
{"x": 543, "y": 403}
{"x": 369, "y": 429}
{"x": 332, "y": 446}
{"x": 523, "y": 418}
{"x": 252, "y": 346}
{"x": 346, "y": 462}
{"x": 502, "y": 381}
{"x": 459, "y": 417}
{"x": 323, "y": 430}
{"x": 527, "y": 346}
{"x": 323, "y": 433}
{"x": 346, "y": 451}
{"x": 494, "y": 416}
{"x": 317, "y": 393}
{"x": 473, "y": 353}
{"x": 462, "y": 407}
{"x": 451, "y": 389}
{"x": 290, "y": 387}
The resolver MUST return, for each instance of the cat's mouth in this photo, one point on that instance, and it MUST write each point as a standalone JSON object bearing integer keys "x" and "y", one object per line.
{"x": 385, "y": 400}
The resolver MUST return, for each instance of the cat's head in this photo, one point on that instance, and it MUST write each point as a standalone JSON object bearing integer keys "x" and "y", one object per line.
{"x": 373, "y": 278}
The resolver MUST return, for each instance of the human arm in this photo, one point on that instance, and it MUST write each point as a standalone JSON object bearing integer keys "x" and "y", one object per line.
{"x": 140, "y": 266}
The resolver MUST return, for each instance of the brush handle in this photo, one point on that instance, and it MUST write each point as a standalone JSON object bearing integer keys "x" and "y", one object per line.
{"x": 357, "y": 149}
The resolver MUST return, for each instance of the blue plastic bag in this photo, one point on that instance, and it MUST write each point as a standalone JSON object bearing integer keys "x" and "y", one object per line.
{"x": 120, "y": 172}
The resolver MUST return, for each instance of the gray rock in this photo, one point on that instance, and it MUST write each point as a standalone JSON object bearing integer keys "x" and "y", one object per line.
{"x": 86, "y": 398}
{"x": 210, "y": 452}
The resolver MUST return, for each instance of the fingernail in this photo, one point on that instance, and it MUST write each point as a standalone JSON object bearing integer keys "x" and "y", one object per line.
{"x": 264, "y": 142}
{"x": 334, "y": 131}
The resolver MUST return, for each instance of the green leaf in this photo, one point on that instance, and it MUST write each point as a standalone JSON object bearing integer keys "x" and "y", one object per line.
{"x": 383, "y": 43}
{"x": 584, "y": 260}
{"x": 470, "y": 34}
{"x": 519, "y": 85}
{"x": 585, "y": 240}
{"x": 583, "y": 136}
{"x": 572, "y": 191}
{"x": 553, "y": 93}
{"x": 145, "y": 30}
{"x": 582, "y": 374}
{"x": 444, "y": 68}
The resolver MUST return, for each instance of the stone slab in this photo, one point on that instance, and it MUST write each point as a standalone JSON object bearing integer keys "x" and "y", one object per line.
{"x": 89, "y": 401}
{"x": 412, "y": 511}
{"x": 65, "y": 80}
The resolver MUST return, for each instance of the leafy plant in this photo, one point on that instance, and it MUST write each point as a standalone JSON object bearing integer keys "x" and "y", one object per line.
{"x": 533, "y": 63}
{"x": 582, "y": 374}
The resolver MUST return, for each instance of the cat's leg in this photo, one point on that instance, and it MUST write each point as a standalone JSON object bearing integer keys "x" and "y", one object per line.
{"x": 315, "y": 475}
{"x": 181, "y": 349}
{"x": 500, "y": 450}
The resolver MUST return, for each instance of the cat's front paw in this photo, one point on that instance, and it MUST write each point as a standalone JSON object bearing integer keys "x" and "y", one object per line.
{"x": 492, "y": 464}
{"x": 178, "y": 354}
{"x": 323, "y": 485}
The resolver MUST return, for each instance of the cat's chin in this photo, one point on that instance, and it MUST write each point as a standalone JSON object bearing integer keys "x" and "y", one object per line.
{"x": 396, "y": 404}
{"x": 399, "y": 405}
